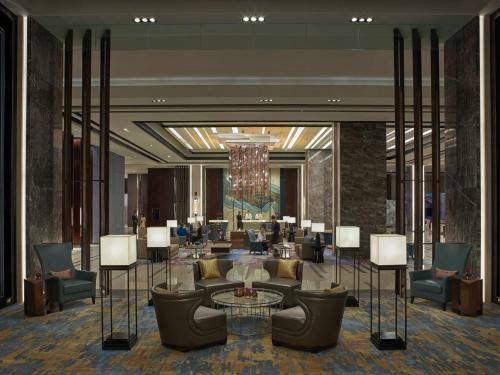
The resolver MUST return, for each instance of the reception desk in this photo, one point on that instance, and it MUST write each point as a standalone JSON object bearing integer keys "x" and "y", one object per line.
{"x": 253, "y": 223}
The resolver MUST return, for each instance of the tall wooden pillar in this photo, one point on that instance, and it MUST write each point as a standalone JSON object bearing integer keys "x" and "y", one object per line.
{"x": 436, "y": 140}
{"x": 86, "y": 181}
{"x": 104, "y": 134}
{"x": 399, "y": 121}
{"x": 67, "y": 164}
{"x": 417, "y": 150}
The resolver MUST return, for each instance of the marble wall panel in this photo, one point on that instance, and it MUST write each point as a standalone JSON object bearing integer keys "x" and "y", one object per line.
{"x": 43, "y": 140}
{"x": 462, "y": 146}
{"x": 320, "y": 186}
{"x": 363, "y": 179}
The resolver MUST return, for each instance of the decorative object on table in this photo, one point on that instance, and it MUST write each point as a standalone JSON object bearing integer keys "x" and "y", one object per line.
{"x": 213, "y": 284}
{"x": 314, "y": 324}
{"x": 347, "y": 240}
{"x": 467, "y": 296}
{"x": 468, "y": 273}
{"x": 448, "y": 257}
{"x": 284, "y": 285}
{"x": 183, "y": 323}
{"x": 119, "y": 253}
{"x": 158, "y": 243}
{"x": 239, "y": 292}
{"x": 387, "y": 253}
{"x": 34, "y": 304}
{"x": 56, "y": 257}
{"x": 248, "y": 315}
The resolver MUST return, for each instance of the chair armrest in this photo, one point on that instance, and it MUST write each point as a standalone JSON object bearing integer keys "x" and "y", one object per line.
{"x": 420, "y": 275}
{"x": 85, "y": 275}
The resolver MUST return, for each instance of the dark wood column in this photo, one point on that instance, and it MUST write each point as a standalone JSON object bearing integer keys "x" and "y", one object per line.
{"x": 67, "y": 163}
{"x": 417, "y": 149}
{"x": 77, "y": 189}
{"x": 436, "y": 140}
{"x": 399, "y": 121}
{"x": 86, "y": 156}
{"x": 104, "y": 134}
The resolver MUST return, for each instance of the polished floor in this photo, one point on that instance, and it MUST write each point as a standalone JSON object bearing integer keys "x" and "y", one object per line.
{"x": 69, "y": 341}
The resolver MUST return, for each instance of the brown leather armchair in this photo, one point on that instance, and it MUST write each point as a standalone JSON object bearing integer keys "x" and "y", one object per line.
{"x": 183, "y": 323}
{"x": 285, "y": 286}
{"x": 314, "y": 324}
{"x": 211, "y": 285}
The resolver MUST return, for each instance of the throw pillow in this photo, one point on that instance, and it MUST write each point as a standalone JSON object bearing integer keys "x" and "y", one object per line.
{"x": 441, "y": 274}
{"x": 209, "y": 269}
{"x": 336, "y": 289}
{"x": 63, "y": 275}
{"x": 159, "y": 289}
{"x": 287, "y": 269}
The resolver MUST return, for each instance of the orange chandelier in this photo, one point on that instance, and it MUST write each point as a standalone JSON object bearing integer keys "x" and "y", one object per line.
{"x": 249, "y": 170}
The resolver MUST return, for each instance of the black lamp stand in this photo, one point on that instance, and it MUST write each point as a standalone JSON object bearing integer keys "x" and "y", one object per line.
{"x": 352, "y": 300}
{"x": 119, "y": 340}
{"x": 153, "y": 255}
{"x": 387, "y": 340}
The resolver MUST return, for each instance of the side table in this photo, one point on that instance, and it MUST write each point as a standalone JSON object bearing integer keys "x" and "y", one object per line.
{"x": 467, "y": 296}
{"x": 33, "y": 297}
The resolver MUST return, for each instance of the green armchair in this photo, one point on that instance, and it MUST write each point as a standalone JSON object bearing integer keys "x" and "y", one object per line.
{"x": 56, "y": 257}
{"x": 447, "y": 256}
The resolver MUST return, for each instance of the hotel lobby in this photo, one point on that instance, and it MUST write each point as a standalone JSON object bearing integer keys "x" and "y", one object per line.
{"x": 249, "y": 187}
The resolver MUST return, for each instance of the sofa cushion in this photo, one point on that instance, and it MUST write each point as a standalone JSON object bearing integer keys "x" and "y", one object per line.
{"x": 441, "y": 274}
{"x": 431, "y": 286}
{"x": 287, "y": 268}
{"x": 207, "y": 318}
{"x": 336, "y": 289}
{"x": 218, "y": 282}
{"x": 282, "y": 282}
{"x": 63, "y": 275}
{"x": 209, "y": 269}
{"x": 291, "y": 319}
{"x": 72, "y": 286}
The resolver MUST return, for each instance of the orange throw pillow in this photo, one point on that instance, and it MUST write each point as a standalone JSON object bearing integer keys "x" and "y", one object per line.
{"x": 441, "y": 274}
{"x": 63, "y": 275}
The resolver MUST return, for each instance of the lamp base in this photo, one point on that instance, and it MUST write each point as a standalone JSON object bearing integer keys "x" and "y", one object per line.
{"x": 352, "y": 302}
{"x": 388, "y": 341}
{"x": 119, "y": 341}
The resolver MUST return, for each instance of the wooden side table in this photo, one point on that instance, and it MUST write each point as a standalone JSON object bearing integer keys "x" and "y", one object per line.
{"x": 33, "y": 297}
{"x": 467, "y": 296}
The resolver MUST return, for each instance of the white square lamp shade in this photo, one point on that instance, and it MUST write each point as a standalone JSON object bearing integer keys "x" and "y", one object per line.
{"x": 158, "y": 237}
{"x": 191, "y": 220}
{"x": 118, "y": 250}
{"x": 200, "y": 218}
{"x": 285, "y": 218}
{"x": 172, "y": 223}
{"x": 291, "y": 220}
{"x": 306, "y": 223}
{"x": 388, "y": 249}
{"x": 318, "y": 227}
{"x": 347, "y": 237}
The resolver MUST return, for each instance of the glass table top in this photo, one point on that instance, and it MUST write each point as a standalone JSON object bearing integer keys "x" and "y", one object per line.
{"x": 265, "y": 297}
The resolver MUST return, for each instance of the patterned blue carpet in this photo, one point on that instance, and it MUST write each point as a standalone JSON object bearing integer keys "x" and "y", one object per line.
{"x": 69, "y": 342}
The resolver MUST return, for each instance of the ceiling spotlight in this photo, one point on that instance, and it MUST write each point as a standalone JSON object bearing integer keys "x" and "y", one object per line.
{"x": 369, "y": 19}
{"x": 144, "y": 19}
{"x": 152, "y": 20}
{"x": 333, "y": 100}
{"x": 126, "y": 130}
{"x": 253, "y": 19}
{"x": 361, "y": 19}
{"x": 266, "y": 100}
{"x": 246, "y": 19}
{"x": 137, "y": 20}
{"x": 261, "y": 19}
{"x": 159, "y": 100}
{"x": 354, "y": 19}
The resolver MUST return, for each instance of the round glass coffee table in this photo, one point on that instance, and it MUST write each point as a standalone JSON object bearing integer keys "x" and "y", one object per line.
{"x": 248, "y": 316}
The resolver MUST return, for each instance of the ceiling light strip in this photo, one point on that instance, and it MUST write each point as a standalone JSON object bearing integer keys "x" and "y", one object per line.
{"x": 322, "y": 130}
{"x": 322, "y": 137}
{"x": 193, "y": 138}
{"x": 295, "y": 137}
{"x": 263, "y": 129}
{"x": 179, "y": 137}
{"x": 210, "y": 140}
{"x": 288, "y": 137}
{"x": 235, "y": 130}
{"x": 202, "y": 138}
{"x": 328, "y": 144}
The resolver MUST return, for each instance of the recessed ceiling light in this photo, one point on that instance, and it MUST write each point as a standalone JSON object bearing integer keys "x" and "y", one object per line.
{"x": 125, "y": 129}
{"x": 144, "y": 20}
{"x": 361, "y": 19}
{"x": 159, "y": 100}
{"x": 214, "y": 130}
{"x": 354, "y": 19}
{"x": 369, "y": 19}
{"x": 266, "y": 100}
{"x": 168, "y": 156}
{"x": 333, "y": 100}
{"x": 152, "y": 20}
{"x": 150, "y": 145}
{"x": 246, "y": 19}
{"x": 261, "y": 19}
{"x": 137, "y": 20}
{"x": 253, "y": 19}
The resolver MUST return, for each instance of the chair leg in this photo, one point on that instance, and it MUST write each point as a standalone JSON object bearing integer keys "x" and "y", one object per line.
{"x": 412, "y": 299}
{"x": 61, "y": 307}
{"x": 93, "y": 300}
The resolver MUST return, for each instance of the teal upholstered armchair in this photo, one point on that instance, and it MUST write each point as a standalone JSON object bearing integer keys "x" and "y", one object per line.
{"x": 56, "y": 257}
{"x": 447, "y": 256}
